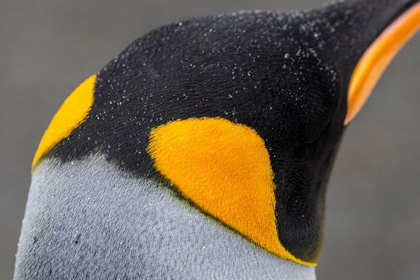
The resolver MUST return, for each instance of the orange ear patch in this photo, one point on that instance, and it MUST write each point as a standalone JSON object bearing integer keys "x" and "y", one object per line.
{"x": 73, "y": 112}
{"x": 375, "y": 60}
{"x": 224, "y": 168}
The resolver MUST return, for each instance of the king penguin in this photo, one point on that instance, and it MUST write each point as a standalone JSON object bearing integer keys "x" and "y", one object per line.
{"x": 203, "y": 150}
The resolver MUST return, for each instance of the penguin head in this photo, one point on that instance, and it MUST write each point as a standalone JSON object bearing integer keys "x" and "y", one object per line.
{"x": 241, "y": 114}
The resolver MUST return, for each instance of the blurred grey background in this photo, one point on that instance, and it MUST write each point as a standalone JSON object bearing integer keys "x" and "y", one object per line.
{"x": 47, "y": 48}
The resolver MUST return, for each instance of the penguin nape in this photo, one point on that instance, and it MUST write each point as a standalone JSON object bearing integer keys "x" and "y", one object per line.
{"x": 203, "y": 150}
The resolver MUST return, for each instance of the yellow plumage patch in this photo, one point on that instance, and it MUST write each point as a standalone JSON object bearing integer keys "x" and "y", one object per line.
{"x": 225, "y": 169}
{"x": 73, "y": 112}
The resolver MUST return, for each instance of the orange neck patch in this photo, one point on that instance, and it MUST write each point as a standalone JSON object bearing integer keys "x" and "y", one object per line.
{"x": 73, "y": 112}
{"x": 224, "y": 168}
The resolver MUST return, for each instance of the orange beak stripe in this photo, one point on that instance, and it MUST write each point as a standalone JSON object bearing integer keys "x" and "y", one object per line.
{"x": 375, "y": 60}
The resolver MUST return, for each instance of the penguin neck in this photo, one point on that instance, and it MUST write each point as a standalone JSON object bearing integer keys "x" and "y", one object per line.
{"x": 149, "y": 221}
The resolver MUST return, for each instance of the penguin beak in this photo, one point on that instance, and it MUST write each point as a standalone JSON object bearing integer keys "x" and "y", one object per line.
{"x": 379, "y": 55}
